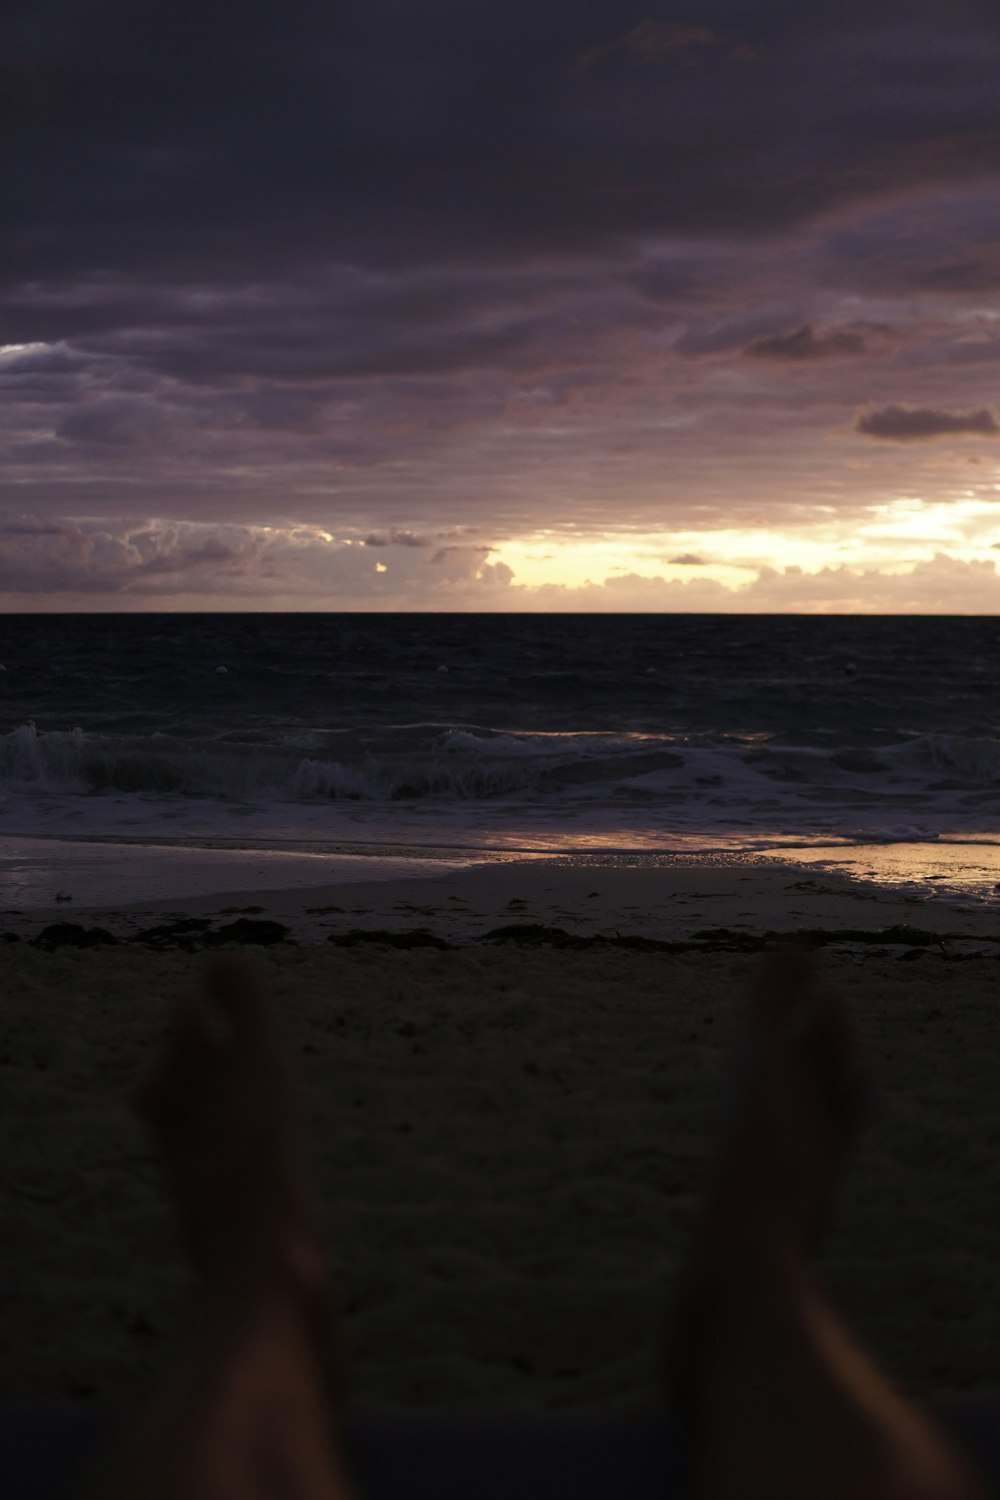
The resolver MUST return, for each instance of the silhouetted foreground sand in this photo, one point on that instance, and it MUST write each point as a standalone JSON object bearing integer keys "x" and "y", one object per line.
{"x": 511, "y": 1142}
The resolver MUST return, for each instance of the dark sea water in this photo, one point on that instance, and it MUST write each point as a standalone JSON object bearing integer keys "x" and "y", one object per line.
{"x": 651, "y": 732}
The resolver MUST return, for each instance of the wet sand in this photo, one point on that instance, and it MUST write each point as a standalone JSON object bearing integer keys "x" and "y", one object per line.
{"x": 671, "y": 900}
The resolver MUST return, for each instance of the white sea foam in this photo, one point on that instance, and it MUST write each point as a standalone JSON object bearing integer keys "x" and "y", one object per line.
{"x": 322, "y": 778}
{"x": 974, "y": 759}
{"x": 643, "y": 786}
{"x": 535, "y": 745}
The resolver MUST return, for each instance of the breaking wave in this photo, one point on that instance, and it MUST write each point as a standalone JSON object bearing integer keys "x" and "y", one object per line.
{"x": 896, "y": 786}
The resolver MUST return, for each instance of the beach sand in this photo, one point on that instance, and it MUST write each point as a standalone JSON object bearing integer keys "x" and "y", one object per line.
{"x": 668, "y": 898}
{"x": 510, "y": 1140}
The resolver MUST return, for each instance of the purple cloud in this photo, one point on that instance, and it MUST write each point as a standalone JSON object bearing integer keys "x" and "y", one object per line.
{"x": 396, "y": 539}
{"x": 807, "y": 343}
{"x": 720, "y": 335}
{"x": 115, "y": 420}
{"x": 910, "y": 424}
{"x": 651, "y": 41}
{"x": 384, "y": 274}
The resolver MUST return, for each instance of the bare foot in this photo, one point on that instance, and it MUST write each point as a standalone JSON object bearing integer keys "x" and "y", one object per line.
{"x": 799, "y": 1097}
{"x": 220, "y": 1103}
{"x": 252, "y": 1406}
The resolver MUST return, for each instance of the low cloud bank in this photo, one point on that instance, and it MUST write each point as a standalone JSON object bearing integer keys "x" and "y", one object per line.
{"x": 156, "y": 564}
{"x": 161, "y": 561}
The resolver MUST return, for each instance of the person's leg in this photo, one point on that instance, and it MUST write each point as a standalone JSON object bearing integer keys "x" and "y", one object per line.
{"x": 250, "y": 1408}
{"x": 782, "y": 1400}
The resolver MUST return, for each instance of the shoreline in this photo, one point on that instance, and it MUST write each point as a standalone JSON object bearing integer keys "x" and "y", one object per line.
{"x": 102, "y": 879}
{"x": 740, "y": 900}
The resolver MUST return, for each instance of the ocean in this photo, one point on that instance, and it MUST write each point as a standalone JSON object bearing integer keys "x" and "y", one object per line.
{"x": 602, "y": 736}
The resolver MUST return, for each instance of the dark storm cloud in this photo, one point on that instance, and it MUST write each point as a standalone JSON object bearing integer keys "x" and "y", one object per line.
{"x": 964, "y": 276}
{"x": 335, "y": 325}
{"x": 42, "y": 387}
{"x": 119, "y": 420}
{"x": 719, "y": 336}
{"x": 396, "y": 539}
{"x": 981, "y": 347}
{"x": 651, "y": 41}
{"x": 234, "y": 136}
{"x": 806, "y": 342}
{"x": 25, "y": 526}
{"x": 908, "y": 424}
{"x": 944, "y": 241}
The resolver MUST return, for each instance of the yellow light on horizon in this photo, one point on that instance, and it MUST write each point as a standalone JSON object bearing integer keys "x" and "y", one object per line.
{"x": 889, "y": 538}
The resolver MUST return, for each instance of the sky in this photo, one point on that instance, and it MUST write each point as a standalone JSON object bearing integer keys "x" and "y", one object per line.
{"x": 423, "y": 304}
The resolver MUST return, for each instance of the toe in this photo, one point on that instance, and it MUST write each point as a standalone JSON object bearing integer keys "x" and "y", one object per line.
{"x": 239, "y": 997}
{"x": 188, "y": 1054}
{"x": 784, "y": 980}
